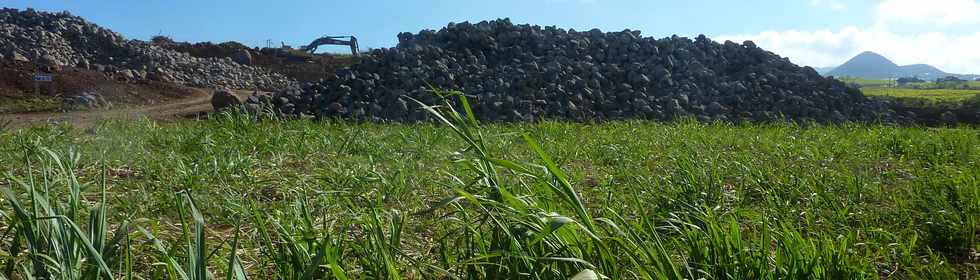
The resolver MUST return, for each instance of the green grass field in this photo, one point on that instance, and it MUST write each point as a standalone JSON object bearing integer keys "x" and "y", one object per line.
{"x": 936, "y": 95}
{"x": 300, "y": 199}
{"x": 873, "y": 83}
{"x": 34, "y": 104}
{"x": 864, "y": 83}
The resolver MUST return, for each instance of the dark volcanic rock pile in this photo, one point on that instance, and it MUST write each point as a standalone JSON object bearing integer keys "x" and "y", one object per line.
{"x": 61, "y": 39}
{"x": 523, "y": 72}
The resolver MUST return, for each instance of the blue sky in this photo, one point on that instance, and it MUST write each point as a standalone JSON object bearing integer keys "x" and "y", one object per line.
{"x": 791, "y": 27}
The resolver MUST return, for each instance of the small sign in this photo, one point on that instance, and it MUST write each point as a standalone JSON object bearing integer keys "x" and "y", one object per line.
{"x": 43, "y": 78}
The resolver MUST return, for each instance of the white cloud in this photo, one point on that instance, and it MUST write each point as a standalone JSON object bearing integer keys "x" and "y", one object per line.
{"x": 940, "y": 13}
{"x": 817, "y": 48}
{"x": 935, "y": 44}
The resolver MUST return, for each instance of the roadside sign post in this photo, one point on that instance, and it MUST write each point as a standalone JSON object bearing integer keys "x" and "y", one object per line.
{"x": 43, "y": 78}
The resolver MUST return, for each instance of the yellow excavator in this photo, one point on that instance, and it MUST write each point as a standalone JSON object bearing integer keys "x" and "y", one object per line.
{"x": 333, "y": 40}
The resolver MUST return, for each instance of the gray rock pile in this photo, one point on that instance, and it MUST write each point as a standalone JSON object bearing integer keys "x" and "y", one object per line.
{"x": 524, "y": 72}
{"x": 61, "y": 39}
{"x": 85, "y": 100}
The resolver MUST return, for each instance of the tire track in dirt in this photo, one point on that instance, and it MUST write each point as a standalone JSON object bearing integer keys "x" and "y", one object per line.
{"x": 194, "y": 104}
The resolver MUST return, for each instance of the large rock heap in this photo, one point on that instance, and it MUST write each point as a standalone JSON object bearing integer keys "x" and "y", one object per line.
{"x": 523, "y": 72}
{"x": 61, "y": 39}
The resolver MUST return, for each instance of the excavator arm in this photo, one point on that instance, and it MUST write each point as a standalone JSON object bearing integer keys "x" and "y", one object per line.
{"x": 333, "y": 40}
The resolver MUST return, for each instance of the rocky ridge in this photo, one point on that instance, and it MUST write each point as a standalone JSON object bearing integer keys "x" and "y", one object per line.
{"x": 519, "y": 72}
{"x": 61, "y": 39}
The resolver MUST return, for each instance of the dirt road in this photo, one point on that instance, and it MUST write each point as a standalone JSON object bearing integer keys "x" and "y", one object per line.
{"x": 199, "y": 101}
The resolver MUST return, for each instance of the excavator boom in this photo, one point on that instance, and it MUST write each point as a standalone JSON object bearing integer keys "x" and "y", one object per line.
{"x": 333, "y": 40}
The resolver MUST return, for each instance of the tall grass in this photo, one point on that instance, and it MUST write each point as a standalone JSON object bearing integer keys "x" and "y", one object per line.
{"x": 236, "y": 199}
{"x": 45, "y": 230}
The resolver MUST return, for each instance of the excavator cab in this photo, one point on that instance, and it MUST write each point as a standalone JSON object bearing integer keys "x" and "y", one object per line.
{"x": 333, "y": 40}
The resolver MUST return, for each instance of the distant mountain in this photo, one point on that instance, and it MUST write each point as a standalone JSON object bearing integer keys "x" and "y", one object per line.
{"x": 870, "y": 65}
{"x": 923, "y": 71}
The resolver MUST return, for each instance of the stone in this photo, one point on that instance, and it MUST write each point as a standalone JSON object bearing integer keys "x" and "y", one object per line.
{"x": 715, "y": 108}
{"x": 50, "y": 60}
{"x": 127, "y": 75}
{"x": 948, "y": 118}
{"x": 84, "y": 101}
{"x": 253, "y": 108}
{"x": 243, "y": 57}
{"x": 159, "y": 76}
{"x": 16, "y": 56}
{"x": 224, "y": 99}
